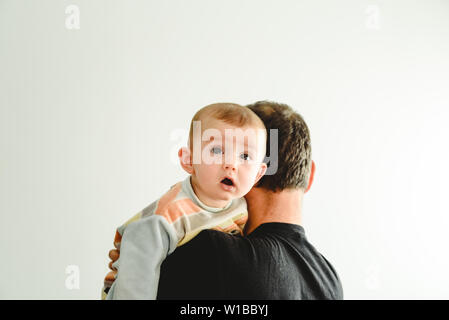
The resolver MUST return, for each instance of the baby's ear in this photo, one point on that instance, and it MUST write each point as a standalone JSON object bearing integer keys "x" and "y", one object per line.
{"x": 185, "y": 159}
{"x": 262, "y": 170}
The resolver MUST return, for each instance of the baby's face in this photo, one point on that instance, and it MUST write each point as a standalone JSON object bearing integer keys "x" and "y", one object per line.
{"x": 230, "y": 162}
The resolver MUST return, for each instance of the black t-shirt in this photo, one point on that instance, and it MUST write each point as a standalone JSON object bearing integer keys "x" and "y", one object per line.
{"x": 275, "y": 261}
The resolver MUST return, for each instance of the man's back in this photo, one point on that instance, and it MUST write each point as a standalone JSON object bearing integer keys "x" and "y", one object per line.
{"x": 274, "y": 262}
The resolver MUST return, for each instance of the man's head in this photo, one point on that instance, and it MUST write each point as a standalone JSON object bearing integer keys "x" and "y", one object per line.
{"x": 294, "y": 147}
{"x": 225, "y": 155}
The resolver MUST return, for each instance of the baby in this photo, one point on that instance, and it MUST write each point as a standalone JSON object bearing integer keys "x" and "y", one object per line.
{"x": 224, "y": 159}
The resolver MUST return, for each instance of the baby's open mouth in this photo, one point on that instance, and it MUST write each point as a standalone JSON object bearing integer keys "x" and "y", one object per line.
{"x": 227, "y": 182}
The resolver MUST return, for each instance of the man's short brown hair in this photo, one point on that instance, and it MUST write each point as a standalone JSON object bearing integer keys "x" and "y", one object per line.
{"x": 294, "y": 146}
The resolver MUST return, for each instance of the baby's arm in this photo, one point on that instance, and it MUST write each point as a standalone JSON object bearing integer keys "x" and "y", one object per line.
{"x": 145, "y": 244}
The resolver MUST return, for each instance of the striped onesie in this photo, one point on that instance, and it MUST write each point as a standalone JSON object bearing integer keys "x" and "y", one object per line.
{"x": 146, "y": 239}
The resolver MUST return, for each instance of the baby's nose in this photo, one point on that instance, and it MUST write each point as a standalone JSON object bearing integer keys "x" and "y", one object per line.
{"x": 230, "y": 163}
{"x": 229, "y": 167}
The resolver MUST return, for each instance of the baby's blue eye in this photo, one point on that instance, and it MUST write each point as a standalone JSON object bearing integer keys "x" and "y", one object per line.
{"x": 245, "y": 156}
{"x": 216, "y": 150}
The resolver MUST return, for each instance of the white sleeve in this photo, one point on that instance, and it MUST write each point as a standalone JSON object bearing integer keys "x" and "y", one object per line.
{"x": 145, "y": 244}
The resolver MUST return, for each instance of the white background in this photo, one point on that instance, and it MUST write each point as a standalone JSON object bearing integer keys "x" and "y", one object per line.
{"x": 90, "y": 117}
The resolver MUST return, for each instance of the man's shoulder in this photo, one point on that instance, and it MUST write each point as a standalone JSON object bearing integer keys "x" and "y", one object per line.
{"x": 213, "y": 238}
{"x": 214, "y": 247}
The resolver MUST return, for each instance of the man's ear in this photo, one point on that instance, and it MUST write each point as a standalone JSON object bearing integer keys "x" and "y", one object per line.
{"x": 185, "y": 159}
{"x": 262, "y": 170}
{"x": 312, "y": 175}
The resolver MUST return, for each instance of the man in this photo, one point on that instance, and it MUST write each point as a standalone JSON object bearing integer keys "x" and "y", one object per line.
{"x": 274, "y": 260}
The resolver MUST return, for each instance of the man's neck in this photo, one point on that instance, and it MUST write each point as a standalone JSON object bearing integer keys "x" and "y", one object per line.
{"x": 266, "y": 206}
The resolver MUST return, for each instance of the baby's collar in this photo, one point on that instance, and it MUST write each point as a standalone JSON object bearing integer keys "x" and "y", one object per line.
{"x": 188, "y": 186}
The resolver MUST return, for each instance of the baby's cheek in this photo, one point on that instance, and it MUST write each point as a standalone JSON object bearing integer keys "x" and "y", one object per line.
{"x": 254, "y": 171}
{"x": 247, "y": 184}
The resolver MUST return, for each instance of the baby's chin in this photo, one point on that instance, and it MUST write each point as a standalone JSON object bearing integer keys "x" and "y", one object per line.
{"x": 237, "y": 195}
{"x": 229, "y": 196}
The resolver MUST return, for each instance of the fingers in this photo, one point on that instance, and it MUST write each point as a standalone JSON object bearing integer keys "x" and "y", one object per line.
{"x": 110, "y": 278}
{"x": 114, "y": 254}
{"x": 111, "y": 267}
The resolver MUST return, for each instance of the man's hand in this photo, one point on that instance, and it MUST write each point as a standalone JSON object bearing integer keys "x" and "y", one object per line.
{"x": 114, "y": 254}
